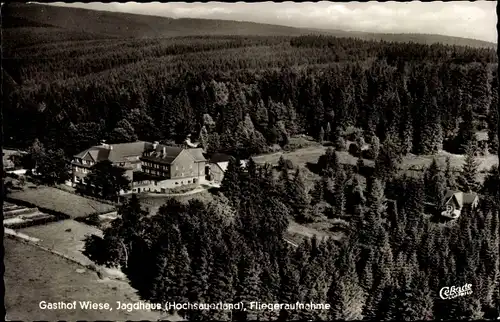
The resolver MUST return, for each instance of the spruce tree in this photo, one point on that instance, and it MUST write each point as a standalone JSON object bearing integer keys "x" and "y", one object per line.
{"x": 434, "y": 183}
{"x": 493, "y": 116}
{"x": 317, "y": 192}
{"x": 328, "y": 132}
{"x": 204, "y": 138}
{"x": 346, "y": 298}
{"x": 466, "y": 132}
{"x": 355, "y": 196}
{"x": 374, "y": 148}
{"x": 230, "y": 185}
{"x": 449, "y": 175}
{"x": 321, "y": 135}
{"x": 468, "y": 177}
{"x": 387, "y": 162}
{"x": 328, "y": 161}
{"x": 493, "y": 119}
{"x": 297, "y": 196}
{"x": 375, "y": 198}
{"x": 406, "y": 132}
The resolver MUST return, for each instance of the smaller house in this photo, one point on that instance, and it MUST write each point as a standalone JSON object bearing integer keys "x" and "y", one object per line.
{"x": 455, "y": 201}
{"x": 10, "y": 157}
{"x": 217, "y": 166}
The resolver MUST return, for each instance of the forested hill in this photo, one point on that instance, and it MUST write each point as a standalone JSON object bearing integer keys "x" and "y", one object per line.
{"x": 114, "y": 24}
{"x": 240, "y": 94}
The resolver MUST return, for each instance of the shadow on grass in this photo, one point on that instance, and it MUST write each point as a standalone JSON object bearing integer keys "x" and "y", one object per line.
{"x": 365, "y": 171}
{"x": 213, "y": 191}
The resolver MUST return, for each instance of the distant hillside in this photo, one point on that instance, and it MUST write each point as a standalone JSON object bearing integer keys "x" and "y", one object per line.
{"x": 125, "y": 24}
{"x": 109, "y": 24}
{"x": 417, "y": 38}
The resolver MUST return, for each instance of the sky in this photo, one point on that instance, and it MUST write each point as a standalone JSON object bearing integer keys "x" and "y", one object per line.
{"x": 476, "y": 19}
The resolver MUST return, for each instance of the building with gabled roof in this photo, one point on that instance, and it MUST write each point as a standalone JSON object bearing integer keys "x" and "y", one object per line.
{"x": 455, "y": 201}
{"x": 124, "y": 155}
{"x": 174, "y": 163}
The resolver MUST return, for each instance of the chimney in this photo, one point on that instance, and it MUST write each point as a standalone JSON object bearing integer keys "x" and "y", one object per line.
{"x": 155, "y": 145}
{"x": 164, "y": 154}
{"x": 105, "y": 145}
{"x": 110, "y": 147}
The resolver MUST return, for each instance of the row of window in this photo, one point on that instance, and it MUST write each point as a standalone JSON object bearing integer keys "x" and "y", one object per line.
{"x": 156, "y": 172}
{"x": 85, "y": 162}
{"x": 82, "y": 170}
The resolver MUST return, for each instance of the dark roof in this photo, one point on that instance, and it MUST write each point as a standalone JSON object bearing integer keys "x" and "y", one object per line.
{"x": 469, "y": 198}
{"x": 461, "y": 197}
{"x": 217, "y": 157}
{"x": 197, "y": 154}
{"x": 115, "y": 152}
{"x": 167, "y": 154}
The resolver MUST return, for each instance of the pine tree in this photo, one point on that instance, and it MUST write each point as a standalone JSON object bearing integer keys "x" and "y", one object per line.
{"x": 468, "y": 177}
{"x": 355, "y": 195}
{"x": 374, "y": 148}
{"x": 328, "y": 132}
{"x": 316, "y": 193}
{"x": 493, "y": 119}
{"x": 467, "y": 132}
{"x": 360, "y": 165}
{"x": 491, "y": 184}
{"x": 230, "y": 185}
{"x": 297, "y": 196}
{"x": 339, "y": 196}
{"x": 345, "y": 297}
{"x": 204, "y": 138}
{"x": 321, "y": 135}
{"x": 406, "y": 133}
{"x": 434, "y": 183}
{"x": 375, "y": 197}
{"x": 449, "y": 175}
{"x": 328, "y": 161}
{"x": 387, "y": 162}
{"x": 249, "y": 287}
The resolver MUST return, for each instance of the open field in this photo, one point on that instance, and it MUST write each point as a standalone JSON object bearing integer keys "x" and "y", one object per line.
{"x": 153, "y": 203}
{"x": 33, "y": 275}
{"x": 52, "y": 199}
{"x": 312, "y": 154}
{"x": 64, "y": 236}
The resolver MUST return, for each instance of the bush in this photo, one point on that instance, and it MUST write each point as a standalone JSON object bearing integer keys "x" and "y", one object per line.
{"x": 354, "y": 149}
{"x": 96, "y": 249}
{"x": 340, "y": 144}
{"x": 351, "y": 133}
{"x": 93, "y": 220}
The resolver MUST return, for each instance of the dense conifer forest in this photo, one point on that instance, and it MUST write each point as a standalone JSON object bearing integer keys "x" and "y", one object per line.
{"x": 245, "y": 95}
{"x": 87, "y": 89}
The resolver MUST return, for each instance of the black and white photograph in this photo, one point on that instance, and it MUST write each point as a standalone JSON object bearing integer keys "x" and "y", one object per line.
{"x": 263, "y": 161}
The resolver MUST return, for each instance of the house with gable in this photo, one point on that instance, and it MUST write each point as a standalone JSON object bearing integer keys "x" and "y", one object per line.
{"x": 454, "y": 202}
{"x": 169, "y": 167}
{"x": 154, "y": 167}
{"x": 124, "y": 155}
{"x": 217, "y": 166}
